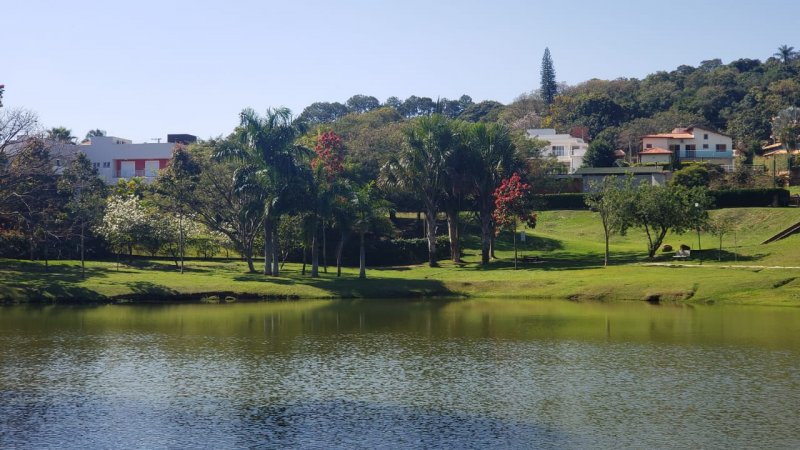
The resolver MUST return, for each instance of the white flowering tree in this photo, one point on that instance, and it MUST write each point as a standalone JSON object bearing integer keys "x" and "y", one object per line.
{"x": 125, "y": 219}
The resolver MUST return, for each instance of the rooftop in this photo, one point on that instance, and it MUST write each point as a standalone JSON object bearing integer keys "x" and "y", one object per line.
{"x": 655, "y": 151}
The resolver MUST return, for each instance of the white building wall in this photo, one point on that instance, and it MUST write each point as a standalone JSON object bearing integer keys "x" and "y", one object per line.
{"x": 105, "y": 150}
{"x": 573, "y": 148}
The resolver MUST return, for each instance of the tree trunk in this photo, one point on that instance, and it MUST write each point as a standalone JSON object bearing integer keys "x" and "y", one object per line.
{"x": 276, "y": 251}
{"x": 430, "y": 220}
{"x": 83, "y": 260}
{"x": 268, "y": 226}
{"x": 605, "y": 232}
{"x": 315, "y": 253}
{"x": 180, "y": 238}
{"x": 453, "y": 235}
{"x": 486, "y": 238}
{"x": 303, "y": 270}
{"x": 362, "y": 258}
{"x": 515, "y": 244}
{"x": 339, "y": 251}
{"x": 324, "y": 248}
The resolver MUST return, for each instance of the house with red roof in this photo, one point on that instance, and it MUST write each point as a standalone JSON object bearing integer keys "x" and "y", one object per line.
{"x": 688, "y": 144}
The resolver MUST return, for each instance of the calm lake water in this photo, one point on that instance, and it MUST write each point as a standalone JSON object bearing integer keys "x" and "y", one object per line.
{"x": 400, "y": 374}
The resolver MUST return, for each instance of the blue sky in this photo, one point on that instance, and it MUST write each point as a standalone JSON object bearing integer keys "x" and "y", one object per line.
{"x": 147, "y": 68}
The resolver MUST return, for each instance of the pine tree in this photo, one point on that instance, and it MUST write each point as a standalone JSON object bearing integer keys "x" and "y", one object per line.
{"x": 549, "y": 87}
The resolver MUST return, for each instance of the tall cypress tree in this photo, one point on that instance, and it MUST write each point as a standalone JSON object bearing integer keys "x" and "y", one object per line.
{"x": 549, "y": 87}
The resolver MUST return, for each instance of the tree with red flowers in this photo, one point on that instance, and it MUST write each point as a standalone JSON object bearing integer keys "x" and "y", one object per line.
{"x": 330, "y": 154}
{"x": 327, "y": 166}
{"x": 512, "y": 202}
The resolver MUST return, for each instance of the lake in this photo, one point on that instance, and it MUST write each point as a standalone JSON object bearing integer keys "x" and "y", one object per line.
{"x": 400, "y": 374}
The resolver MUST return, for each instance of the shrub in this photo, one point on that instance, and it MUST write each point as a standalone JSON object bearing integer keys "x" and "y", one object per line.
{"x": 561, "y": 201}
{"x": 744, "y": 198}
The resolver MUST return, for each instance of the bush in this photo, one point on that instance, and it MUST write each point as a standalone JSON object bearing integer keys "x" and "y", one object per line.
{"x": 745, "y": 198}
{"x": 561, "y": 201}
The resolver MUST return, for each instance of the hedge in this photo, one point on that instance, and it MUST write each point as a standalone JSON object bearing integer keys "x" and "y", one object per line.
{"x": 728, "y": 198}
{"x": 561, "y": 201}
{"x": 744, "y": 198}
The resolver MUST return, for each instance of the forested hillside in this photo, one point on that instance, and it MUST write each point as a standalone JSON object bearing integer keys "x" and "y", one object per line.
{"x": 739, "y": 98}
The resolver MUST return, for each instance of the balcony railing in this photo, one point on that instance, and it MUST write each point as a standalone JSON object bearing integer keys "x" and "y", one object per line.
{"x": 706, "y": 154}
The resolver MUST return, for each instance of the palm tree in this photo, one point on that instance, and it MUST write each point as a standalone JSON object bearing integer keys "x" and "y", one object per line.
{"x": 420, "y": 168}
{"x": 270, "y": 163}
{"x": 61, "y": 134}
{"x": 368, "y": 210}
{"x": 785, "y": 53}
{"x": 492, "y": 156}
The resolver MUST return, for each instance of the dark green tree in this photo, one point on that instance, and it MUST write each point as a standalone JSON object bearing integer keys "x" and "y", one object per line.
{"x": 599, "y": 154}
{"x": 419, "y": 168}
{"x": 270, "y": 161}
{"x": 785, "y": 53}
{"x": 175, "y": 187}
{"x": 86, "y": 194}
{"x": 613, "y": 199}
{"x": 548, "y": 86}
{"x": 362, "y": 103}
{"x": 95, "y": 133}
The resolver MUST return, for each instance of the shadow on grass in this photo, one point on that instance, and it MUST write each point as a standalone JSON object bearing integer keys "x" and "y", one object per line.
{"x": 164, "y": 266}
{"x": 350, "y": 286}
{"x": 146, "y": 289}
{"x": 505, "y": 242}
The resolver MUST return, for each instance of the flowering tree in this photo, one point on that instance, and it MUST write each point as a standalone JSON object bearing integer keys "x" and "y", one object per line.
{"x": 330, "y": 154}
{"x": 124, "y": 220}
{"x": 327, "y": 167}
{"x": 512, "y": 203}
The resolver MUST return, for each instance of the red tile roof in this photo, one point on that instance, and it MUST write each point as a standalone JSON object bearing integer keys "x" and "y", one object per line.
{"x": 671, "y": 135}
{"x": 655, "y": 151}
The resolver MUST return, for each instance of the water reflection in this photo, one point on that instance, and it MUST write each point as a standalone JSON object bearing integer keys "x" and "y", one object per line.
{"x": 466, "y": 374}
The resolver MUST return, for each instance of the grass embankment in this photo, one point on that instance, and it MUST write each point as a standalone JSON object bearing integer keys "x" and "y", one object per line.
{"x": 569, "y": 244}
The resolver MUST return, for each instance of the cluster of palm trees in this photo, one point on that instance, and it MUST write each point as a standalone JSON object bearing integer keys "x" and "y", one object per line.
{"x": 453, "y": 166}
{"x": 446, "y": 165}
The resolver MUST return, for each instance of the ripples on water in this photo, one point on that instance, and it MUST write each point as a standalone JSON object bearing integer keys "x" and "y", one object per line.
{"x": 396, "y": 375}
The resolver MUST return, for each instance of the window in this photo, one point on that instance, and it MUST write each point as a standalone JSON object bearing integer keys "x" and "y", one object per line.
{"x": 649, "y": 146}
{"x": 674, "y": 147}
{"x": 558, "y": 150}
{"x": 106, "y": 165}
{"x": 58, "y": 163}
{"x": 705, "y": 136}
{"x": 722, "y": 147}
{"x": 691, "y": 147}
{"x": 705, "y": 146}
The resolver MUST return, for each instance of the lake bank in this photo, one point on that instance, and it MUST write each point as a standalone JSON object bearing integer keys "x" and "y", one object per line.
{"x": 158, "y": 281}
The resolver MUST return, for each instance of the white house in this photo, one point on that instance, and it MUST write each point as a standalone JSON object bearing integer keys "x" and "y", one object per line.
{"x": 117, "y": 158}
{"x": 692, "y": 144}
{"x": 114, "y": 157}
{"x": 567, "y": 149}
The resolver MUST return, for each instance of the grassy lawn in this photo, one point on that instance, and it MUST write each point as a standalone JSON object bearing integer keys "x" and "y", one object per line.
{"x": 569, "y": 244}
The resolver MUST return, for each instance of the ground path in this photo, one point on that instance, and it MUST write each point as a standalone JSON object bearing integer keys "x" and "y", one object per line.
{"x": 737, "y": 266}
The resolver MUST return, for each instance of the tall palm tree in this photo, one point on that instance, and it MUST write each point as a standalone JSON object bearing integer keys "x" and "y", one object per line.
{"x": 368, "y": 209}
{"x": 785, "y": 53}
{"x": 492, "y": 156}
{"x": 270, "y": 163}
{"x": 420, "y": 168}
